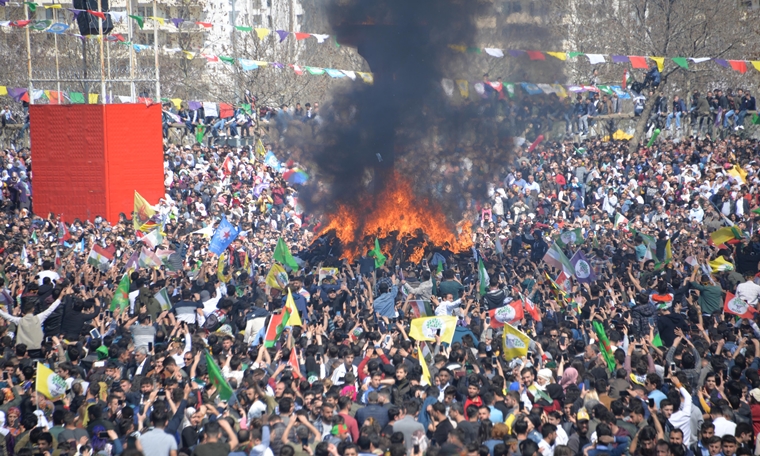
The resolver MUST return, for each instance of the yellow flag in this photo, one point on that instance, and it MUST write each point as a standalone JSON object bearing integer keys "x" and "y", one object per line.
{"x": 189, "y": 55}
{"x": 426, "y": 328}
{"x": 56, "y": 6}
{"x": 262, "y": 32}
{"x": 756, "y": 64}
{"x": 143, "y": 212}
{"x": 93, "y": 98}
{"x": 721, "y": 264}
{"x": 160, "y": 20}
{"x": 261, "y": 63}
{"x": 464, "y": 88}
{"x": 3, "y": 90}
{"x": 260, "y": 149}
{"x": 426, "y": 380}
{"x": 514, "y": 342}
{"x": 277, "y": 277}
{"x": 458, "y": 47}
{"x": 177, "y": 102}
{"x": 290, "y": 307}
{"x": 559, "y": 55}
{"x": 725, "y": 234}
{"x": 560, "y": 91}
{"x": 660, "y": 61}
{"x": 50, "y": 384}
{"x": 220, "y": 269}
{"x": 366, "y": 77}
{"x": 738, "y": 173}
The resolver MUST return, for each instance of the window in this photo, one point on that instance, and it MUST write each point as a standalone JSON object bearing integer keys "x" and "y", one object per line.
{"x": 49, "y": 14}
{"x": 269, "y": 3}
{"x": 146, "y": 38}
{"x": 513, "y": 7}
{"x": 269, "y": 21}
{"x": 256, "y": 19}
{"x": 145, "y": 11}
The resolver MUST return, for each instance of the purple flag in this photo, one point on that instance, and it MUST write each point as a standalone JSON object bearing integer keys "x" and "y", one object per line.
{"x": 283, "y": 34}
{"x": 177, "y": 21}
{"x": 721, "y": 62}
{"x": 194, "y": 105}
{"x": 75, "y": 12}
{"x": 277, "y": 65}
{"x": 583, "y": 271}
{"x": 3, "y": 2}
{"x": 16, "y": 93}
{"x": 619, "y": 59}
{"x": 516, "y": 53}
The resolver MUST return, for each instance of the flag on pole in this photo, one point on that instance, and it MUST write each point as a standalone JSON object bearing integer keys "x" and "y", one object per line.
{"x": 163, "y": 299}
{"x": 725, "y": 234}
{"x": 559, "y": 293}
{"x": 530, "y": 307}
{"x": 509, "y": 313}
{"x": 737, "y": 306}
{"x": 148, "y": 259}
{"x": 293, "y": 362}
{"x": 377, "y": 254}
{"x": 582, "y": 268}
{"x": 153, "y": 239}
{"x": 571, "y": 237}
{"x": 556, "y": 257}
{"x": 217, "y": 379}
{"x": 277, "y": 277}
{"x": 142, "y": 215}
{"x": 283, "y": 256}
{"x": 223, "y": 236}
{"x": 291, "y": 317}
{"x": 260, "y": 149}
{"x": 63, "y": 233}
{"x": 604, "y": 346}
{"x": 99, "y": 257}
{"x": 121, "y": 295}
{"x": 720, "y": 264}
{"x": 620, "y": 219}
{"x": 273, "y": 330}
{"x": 514, "y": 343}
{"x": 483, "y": 277}
{"x": 49, "y": 384}
{"x": 426, "y": 328}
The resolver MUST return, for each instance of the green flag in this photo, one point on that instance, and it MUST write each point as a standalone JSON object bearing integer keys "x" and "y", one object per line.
{"x": 377, "y": 254}
{"x": 163, "y": 299}
{"x": 76, "y": 97}
{"x": 121, "y": 295}
{"x": 483, "y": 277}
{"x": 657, "y": 342}
{"x": 247, "y": 108}
{"x": 215, "y": 376}
{"x": 226, "y": 59}
{"x": 282, "y": 255}
{"x": 604, "y": 346}
{"x": 32, "y": 6}
{"x": 244, "y": 28}
{"x": 571, "y": 237}
{"x": 139, "y": 19}
{"x": 200, "y": 130}
{"x": 683, "y": 62}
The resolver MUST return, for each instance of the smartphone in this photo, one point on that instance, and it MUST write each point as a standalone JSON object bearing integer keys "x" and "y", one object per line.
{"x": 631, "y": 339}
{"x": 637, "y": 346}
{"x": 488, "y": 320}
{"x": 318, "y": 357}
{"x": 562, "y": 340}
{"x": 103, "y": 435}
{"x": 150, "y": 346}
{"x": 651, "y": 402}
{"x": 672, "y": 367}
{"x": 416, "y": 448}
{"x": 568, "y": 318}
{"x": 5, "y": 375}
{"x": 94, "y": 333}
{"x": 387, "y": 339}
{"x": 458, "y": 276}
{"x": 437, "y": 332}
{"x": 494, "y": 360}
{"x": 424, "y": 263}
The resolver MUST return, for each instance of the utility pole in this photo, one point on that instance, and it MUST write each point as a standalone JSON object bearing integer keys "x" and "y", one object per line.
{"x": 155, "y": 51}
{"x": 29, "y": 56}
{"x": 233, "y": 32}
{"x": 130, "y": 32}
{"x": 102, "y": 57}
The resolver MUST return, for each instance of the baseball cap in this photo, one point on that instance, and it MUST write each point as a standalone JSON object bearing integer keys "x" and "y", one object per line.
{"x": 582, "y": 415}
{"x": 755, "y": 393}
{"x": 339, "y": 429}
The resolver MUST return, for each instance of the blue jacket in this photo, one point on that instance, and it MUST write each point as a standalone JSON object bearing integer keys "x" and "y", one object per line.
{"x": 385, "y": 304}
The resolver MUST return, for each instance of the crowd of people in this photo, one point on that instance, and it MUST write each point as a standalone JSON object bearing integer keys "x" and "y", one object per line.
{"x": 670, "y": 373}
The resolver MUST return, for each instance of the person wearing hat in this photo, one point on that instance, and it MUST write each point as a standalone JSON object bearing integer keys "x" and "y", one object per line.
{"x": 580, "y": 438}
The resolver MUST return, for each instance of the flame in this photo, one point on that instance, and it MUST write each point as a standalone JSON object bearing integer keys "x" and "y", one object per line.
{"x": 396, "y": 215}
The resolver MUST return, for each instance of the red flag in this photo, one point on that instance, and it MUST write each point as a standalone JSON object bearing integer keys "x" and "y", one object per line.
{"x": 625, "y": 79}
{"x": 25, "y": 97}
{"x": 97, "y": 14}
{"x": 737, "y": 306}
{"x": 638, "y": 62}
{"x": 531, "y": 308}
{"x": 738, "y": 65}
{"x": 535, "y": 143}
{"x": 293, "y": 362}
{"x": 227, "y": 166}
{"x": 297, "y": 69}
{"x": 302, "y": 36}
{"x": 205, "y": 24}
{"x": 272, "y": 334}
{"x": 510, "y": 313}
{"x": 225, "y": 111}
{"x": 63, "y": 233}
{"x": 536, "y": 55}
{"x": 20, "y": 23}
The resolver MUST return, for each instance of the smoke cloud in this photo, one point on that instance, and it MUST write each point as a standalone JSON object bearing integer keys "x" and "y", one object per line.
{"x": 405, "y": 123}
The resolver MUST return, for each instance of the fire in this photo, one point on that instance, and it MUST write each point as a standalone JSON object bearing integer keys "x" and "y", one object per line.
{"x": 398, "y": 218}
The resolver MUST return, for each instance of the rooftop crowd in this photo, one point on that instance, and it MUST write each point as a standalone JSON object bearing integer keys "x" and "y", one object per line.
{"x": 677, "y": 376}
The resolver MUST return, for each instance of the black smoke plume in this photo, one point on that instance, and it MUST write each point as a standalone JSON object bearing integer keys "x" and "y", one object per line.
{"x": 404, "y": 121}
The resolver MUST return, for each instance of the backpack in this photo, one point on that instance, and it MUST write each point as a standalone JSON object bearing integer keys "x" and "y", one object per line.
{"x": 213, "y": 322}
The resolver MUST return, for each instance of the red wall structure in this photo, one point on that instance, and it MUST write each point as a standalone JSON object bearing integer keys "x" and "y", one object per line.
{"x": 88, "y": 160}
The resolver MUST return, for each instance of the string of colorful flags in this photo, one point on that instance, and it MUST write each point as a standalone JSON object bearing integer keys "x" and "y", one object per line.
{"x": 636, "y": 61}
{"x": 119, "y": 16}
{"x": 225, "y": 110}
